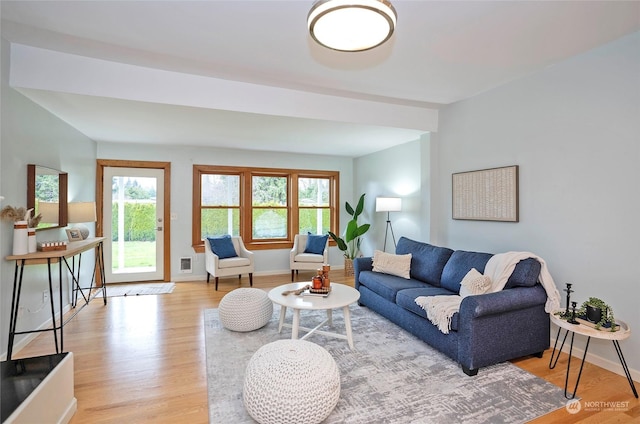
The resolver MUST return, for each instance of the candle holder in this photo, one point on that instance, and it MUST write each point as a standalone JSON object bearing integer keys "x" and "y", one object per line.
{"x": 573, "y": 314}
{"x": 569, "y": 291}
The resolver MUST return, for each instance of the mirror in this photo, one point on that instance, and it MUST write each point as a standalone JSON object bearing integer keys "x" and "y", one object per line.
{"x": 47, "y": 195}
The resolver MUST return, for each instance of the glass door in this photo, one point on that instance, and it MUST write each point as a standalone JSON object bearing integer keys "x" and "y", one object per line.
{"x": 133, "y": 224}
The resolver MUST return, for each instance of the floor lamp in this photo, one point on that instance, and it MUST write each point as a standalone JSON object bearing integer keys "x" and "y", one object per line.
{"x": 388, "y": 205}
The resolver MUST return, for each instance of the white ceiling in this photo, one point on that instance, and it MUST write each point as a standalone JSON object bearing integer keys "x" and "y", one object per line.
{"x": 264, "y": 83}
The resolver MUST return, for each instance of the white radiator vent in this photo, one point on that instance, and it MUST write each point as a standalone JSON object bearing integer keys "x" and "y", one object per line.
{"x": 185, "y": 265}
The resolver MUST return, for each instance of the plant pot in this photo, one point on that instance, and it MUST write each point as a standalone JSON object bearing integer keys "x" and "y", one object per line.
{"x": 348, "y": 267}
{"x": 594, "y": 314}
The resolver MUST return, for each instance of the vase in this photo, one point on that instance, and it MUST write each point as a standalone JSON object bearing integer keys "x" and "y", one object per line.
{"x": 348, "y": 267}
{"x": 20, "y": 238}
{"x": 33, "y": 245}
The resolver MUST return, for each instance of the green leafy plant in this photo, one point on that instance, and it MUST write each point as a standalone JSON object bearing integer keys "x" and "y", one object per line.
{"x": 607, "y": 312}
{"x": 350, "y": 245}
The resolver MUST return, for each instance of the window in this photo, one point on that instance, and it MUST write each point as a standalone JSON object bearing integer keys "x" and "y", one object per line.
{"x": 267, "y": 207}
{"x": 219, "y": 204}
{"x": 314, "y": 207}
{"x": 269, "y": 211}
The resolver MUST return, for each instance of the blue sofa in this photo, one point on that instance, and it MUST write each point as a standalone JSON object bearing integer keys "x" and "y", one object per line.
{"x": 489, "y": 328}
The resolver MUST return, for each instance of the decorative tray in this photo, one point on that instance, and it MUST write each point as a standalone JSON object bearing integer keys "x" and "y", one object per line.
{"x": 48, "y": 246}
{"x": 323, "y": 290}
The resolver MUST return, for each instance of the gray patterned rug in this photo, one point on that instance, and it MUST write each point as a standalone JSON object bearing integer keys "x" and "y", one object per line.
{"x": 390, "y": 377}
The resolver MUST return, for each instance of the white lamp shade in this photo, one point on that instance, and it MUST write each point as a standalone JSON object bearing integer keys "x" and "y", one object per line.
{"x": 82, "y": 212}
{"x": 388, "y": 204}
{"x": 351, "y": 25}
{"x": 49, "y": 211}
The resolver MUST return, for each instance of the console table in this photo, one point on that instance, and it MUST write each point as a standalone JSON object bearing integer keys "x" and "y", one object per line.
{"x": 582, "y": 328}
{"x": 64, "y": 258}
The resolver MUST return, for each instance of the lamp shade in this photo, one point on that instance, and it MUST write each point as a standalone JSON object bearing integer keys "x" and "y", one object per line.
{"x": 351, "y": 25}
{"x": 82, "y": 212}
{"x": 388, "y": 204}
{"x": 49, "y": 212}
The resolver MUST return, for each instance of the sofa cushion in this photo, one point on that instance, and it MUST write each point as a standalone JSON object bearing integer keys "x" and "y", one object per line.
{"x": 459, "y": 264}
{"x": 407, "y": 299}
{"x": 525, "y": 274}
{"x": 427, "y": 261}
{"x": 399, "y": 265}
{"x": 387, "y": 286}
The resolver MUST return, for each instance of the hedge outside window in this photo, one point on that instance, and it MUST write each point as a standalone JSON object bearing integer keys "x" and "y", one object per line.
{"x": 265, "y": 206}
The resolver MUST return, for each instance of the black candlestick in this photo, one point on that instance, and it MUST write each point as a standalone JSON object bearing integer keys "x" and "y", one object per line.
{"x": 569, "y": 291}
{"x": 573, "y": 314}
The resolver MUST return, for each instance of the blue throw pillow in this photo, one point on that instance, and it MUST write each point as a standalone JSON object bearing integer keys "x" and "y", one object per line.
{"x": 222, "y": 246}
{"x": 316, "y": 244}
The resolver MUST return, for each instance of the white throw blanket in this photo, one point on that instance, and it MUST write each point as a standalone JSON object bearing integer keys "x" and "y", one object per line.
{"x": 440, "y": 309}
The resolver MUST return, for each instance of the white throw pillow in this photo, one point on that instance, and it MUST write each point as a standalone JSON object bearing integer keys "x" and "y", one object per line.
{"x": 474, "y": 283}
{"x": 399, "y": 265}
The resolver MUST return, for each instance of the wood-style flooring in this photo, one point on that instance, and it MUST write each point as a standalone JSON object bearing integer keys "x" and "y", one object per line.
{"x": 141, "y": 359}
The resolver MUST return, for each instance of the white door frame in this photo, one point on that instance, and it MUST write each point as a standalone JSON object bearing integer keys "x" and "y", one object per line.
{"x": 166, "y": 231}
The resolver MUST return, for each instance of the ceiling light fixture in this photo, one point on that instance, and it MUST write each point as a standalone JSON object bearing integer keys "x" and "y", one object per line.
{"x": 351, "y": 25}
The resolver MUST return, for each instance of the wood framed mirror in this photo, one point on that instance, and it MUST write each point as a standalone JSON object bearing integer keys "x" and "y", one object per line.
{"x": 47, "y": 195}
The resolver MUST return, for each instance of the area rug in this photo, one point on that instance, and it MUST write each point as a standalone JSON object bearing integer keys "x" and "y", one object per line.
{"x": 131, "y": 289}
{"x": 390, "y": 376}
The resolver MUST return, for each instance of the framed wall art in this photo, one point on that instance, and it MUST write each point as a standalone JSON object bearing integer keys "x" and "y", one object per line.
{"x": 486, "y": 194}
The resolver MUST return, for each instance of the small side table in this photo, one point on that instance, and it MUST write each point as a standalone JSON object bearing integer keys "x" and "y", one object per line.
{"x": 585, "y": 330}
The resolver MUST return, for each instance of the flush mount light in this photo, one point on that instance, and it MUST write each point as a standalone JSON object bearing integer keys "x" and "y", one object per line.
{"x": 351, "y": 25}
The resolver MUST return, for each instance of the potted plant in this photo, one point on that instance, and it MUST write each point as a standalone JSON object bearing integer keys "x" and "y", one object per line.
{"x": 597, "y": 311}
{"x": 350, "y": 244}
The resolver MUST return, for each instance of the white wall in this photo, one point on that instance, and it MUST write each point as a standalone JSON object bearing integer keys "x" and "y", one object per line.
{"x": 31, "y": 135}
{"x": 401, "y": 171}
{"x": 182, "y": 160}
{"x": 574, "y": 130}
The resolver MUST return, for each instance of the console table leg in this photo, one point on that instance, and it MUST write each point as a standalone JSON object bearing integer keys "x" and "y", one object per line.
{"x": 616, "y": 344}
{"x": 15, "y": 305}
{"x": 53, "y": 309}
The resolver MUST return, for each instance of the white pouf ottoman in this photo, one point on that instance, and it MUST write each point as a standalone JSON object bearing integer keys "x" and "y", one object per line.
{"x": 291, "y": 381}
{"x": 245, "y": 309}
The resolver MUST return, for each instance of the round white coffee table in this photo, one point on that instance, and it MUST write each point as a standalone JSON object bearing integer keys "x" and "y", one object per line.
{"x": 341, "y": 296}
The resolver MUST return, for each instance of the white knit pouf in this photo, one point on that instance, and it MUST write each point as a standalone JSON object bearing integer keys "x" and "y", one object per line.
{"x": 291, "y": 381}
{"x": 245, "y": 309}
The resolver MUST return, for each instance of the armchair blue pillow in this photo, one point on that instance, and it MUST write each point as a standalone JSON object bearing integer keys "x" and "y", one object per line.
{"x": 222, "y": 246}
{"x": 316, "y": 244}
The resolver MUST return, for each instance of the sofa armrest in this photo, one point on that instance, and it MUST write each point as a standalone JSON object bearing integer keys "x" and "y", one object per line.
{"x": 359, "y": 265}
{"x": 500, "y": 326}
{"x": 501, "y": 302}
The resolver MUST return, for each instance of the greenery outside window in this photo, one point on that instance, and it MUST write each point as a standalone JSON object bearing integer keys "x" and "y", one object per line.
{"x": 265, "y": 206}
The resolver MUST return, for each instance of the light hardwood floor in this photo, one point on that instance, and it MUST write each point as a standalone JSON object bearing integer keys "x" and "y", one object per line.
{"x": 141, "y": 359}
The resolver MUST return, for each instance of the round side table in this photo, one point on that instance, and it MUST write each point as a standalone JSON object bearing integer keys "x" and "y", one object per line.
{"x": 584, "y": 329}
